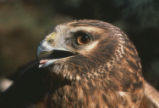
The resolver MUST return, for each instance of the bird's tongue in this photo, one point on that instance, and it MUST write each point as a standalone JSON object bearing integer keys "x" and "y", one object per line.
{"x": 43, "y": 61}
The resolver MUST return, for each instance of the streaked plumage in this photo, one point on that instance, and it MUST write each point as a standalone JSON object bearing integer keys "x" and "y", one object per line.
{"x": 85, "y": 64}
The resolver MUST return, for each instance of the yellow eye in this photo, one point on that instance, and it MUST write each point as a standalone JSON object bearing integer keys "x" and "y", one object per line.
{"x": 83, "y": 39}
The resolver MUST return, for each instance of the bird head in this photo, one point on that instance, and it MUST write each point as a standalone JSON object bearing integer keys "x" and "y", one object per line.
{"x": 83, "y": 49}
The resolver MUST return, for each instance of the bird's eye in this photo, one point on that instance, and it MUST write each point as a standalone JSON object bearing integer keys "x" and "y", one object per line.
{"x": 82, "y": 39}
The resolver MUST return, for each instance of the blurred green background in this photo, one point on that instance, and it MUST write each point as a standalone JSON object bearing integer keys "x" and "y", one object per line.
{"x": 23, "y": 23}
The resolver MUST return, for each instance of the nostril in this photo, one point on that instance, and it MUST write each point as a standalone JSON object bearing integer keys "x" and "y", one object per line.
{"x": 50, "y": 41}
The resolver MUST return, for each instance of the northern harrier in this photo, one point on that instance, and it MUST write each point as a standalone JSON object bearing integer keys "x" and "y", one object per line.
{"x": 81, "y": 64}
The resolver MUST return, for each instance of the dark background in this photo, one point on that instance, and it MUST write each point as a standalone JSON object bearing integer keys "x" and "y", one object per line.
{"x": 23, "y": 23}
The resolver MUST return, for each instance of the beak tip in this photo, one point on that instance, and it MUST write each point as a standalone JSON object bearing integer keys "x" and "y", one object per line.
{"x": 44, "y": 47}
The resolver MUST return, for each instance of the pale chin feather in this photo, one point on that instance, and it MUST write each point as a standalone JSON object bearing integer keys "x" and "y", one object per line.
{"x": 45, "y": 63}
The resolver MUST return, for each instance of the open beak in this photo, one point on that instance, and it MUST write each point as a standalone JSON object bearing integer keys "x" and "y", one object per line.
{"x": 49, "y": 57}
{"x": 48, "y": 54}
{"x": 55, "y": 54}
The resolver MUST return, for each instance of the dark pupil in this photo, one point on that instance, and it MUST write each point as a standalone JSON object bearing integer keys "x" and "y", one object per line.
{"x": 84, "y": 39}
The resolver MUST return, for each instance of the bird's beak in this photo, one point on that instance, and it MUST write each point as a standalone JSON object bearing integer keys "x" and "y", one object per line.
{"x": 47, "y": 53}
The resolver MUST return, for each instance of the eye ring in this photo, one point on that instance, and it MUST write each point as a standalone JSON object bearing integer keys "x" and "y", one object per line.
{"x": 82, "y": 38}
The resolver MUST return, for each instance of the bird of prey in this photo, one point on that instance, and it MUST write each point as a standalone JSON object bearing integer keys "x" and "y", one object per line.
{"x": 81, "y": 64}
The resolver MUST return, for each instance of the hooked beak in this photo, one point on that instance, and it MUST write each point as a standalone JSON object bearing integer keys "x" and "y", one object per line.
{"x": 48, "y": 54}
{"x": 49, "y": 57}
